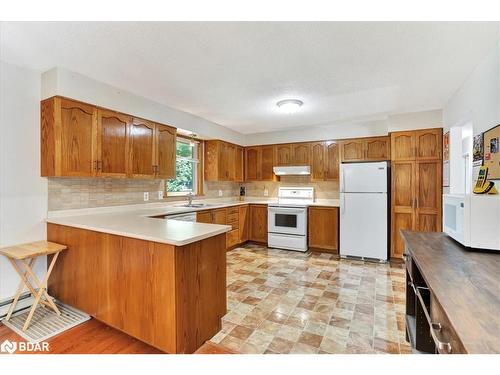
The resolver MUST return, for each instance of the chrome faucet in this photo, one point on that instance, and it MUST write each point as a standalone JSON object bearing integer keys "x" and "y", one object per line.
{"x": 190, "y": 197}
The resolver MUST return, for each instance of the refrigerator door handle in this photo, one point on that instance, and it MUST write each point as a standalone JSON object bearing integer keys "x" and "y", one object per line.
{"x": 342, "y": 205}
{"x": 343, "y": 180}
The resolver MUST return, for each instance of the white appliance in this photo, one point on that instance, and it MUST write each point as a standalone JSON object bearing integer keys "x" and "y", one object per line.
{"x": 363, "y": 210}
{"x": 186, "y": 216}
{"x": 292, "y": 171}
{"x": 473, "y": 220}
{"x": 287, "y": 219}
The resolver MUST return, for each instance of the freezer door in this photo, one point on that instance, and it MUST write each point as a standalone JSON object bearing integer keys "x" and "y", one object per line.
{"x": 363, "y": 177}
{"x": 363, "y": 225}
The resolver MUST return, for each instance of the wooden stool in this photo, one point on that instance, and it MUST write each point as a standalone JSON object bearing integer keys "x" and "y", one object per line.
{"x": 27, "y": 254}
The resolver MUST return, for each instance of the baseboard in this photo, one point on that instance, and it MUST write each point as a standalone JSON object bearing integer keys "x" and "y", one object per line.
{"x": 25, "y": 301}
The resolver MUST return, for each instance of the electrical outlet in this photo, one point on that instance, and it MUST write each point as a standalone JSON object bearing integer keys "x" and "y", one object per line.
{"x": 146, "y": 196}
{"x": 266, "y": 192}
{"x": 220, "y": 193}
{"x": 160, "y": 194}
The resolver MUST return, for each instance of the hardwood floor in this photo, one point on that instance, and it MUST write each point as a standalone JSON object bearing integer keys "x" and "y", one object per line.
{"x": 94, "y": 337}
{"x": 91, "y": 337}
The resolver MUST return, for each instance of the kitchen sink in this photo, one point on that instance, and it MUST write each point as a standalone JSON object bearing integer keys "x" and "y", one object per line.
{"x": 196, "y": 205}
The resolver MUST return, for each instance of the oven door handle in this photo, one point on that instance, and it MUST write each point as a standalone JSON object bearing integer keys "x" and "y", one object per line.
{"x": 286, "y": 210}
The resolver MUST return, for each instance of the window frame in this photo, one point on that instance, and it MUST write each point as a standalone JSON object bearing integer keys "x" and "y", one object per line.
{"x": 198, "y": 168}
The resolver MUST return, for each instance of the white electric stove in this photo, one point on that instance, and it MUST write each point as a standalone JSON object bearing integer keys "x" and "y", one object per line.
{"x": 287, "y": 219}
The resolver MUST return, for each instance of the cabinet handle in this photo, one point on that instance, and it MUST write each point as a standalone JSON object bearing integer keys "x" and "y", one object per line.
{"x": 99, "y": 165}
{"x": 95, "y": 165}
{"x": 442, "y": 347}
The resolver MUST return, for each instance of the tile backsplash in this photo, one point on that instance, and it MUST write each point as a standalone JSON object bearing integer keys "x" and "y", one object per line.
{"x": 322, "y": 189}
{"x": 72, "y": 193}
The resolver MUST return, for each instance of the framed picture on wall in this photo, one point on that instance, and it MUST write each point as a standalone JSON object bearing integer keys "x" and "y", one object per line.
{"x": 492, "y": 152}
{"x": 477, "y": 150}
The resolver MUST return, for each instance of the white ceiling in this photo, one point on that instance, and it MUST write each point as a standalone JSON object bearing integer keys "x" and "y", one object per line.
{"x": 234, "y": 73}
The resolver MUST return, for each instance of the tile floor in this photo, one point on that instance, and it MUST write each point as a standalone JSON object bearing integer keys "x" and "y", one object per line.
{"x": 289, "y": 302}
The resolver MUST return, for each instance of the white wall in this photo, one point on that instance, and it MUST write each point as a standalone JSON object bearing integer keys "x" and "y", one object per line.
{"x": 23, "y": 193}
{"x": 405, "y": 121}
{"x": 63, "y": 82}
{"x": 478, "y": 98}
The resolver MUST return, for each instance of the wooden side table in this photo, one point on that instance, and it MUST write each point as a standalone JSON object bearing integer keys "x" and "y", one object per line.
{"x": 23, "y": 258}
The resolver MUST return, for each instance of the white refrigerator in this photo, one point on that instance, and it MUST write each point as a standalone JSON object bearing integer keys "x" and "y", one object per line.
{"x": 363, "y": 210}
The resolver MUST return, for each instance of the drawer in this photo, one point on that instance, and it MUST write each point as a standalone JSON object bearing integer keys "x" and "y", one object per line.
{"x": 233, "y": 219}
{"x": 233, "y": 210}
{"x": 232, "y": 238}
{"x": 442, "y": 331}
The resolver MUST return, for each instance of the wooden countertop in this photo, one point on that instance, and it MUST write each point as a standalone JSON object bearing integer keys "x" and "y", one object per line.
{"x": 466, "y": 284}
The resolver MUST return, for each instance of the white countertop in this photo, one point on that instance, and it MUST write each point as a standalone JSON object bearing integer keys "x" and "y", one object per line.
{"x": 135, "y": 221}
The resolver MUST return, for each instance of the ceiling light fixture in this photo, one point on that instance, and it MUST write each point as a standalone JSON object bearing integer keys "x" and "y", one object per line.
{"x": 289, "y": 105}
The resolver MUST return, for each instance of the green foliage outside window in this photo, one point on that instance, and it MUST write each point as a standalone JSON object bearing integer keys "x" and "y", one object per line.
{"x": 185, "y": 169}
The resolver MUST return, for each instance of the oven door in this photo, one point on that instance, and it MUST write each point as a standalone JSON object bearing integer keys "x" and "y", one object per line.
{"x": 287, "y": 220}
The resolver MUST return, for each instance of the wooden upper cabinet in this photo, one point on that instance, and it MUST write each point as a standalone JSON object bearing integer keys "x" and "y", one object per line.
{"x": 166, "y": 151}
{"x": 352, "y": 150}
{"x": 68, "y": 142}
{"x": 267, "y": 163}
{"x": 239, "y": 164}
{"x": 82, "y": 140}
{"x": 112, "y": 143}
{"x": 318, "y": 164}
{"x": 252, "y": 161}
{"x": 428, "y": 144}
{"x": 283, "y": 155}
{"x": 223, "y": 161}
{"x": 142, "y": 148}
{"x": 425, "y": 144}
{"x": 403, "y": 146}
{"x": 77, "y": 125}
{"x": 332, "y": 161}
{"x": 230, "y": 163}
{"x": 301, "y": 153}
{"x": 378, "y": 148}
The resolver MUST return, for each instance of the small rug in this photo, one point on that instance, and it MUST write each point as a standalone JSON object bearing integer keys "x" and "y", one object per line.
{"x": 45, "y": 322}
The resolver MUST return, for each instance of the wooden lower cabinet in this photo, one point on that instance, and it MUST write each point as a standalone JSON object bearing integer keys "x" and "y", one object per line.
{"x": 258, "y": 223}
{"x": 323, "y": 229}
{"x": 171, "y": 297}
{"x": 236, "y": 216}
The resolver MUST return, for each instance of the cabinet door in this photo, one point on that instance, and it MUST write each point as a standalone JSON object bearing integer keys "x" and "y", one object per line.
{"x": 220, "y": 216}
{"x": 222, "y": 162}
{"x": 78, "y": 142}
{"x": 243, "y": 220}
{"x": 428, "y": 196}
{"x": 318, "y": 161}
{"x": 142, "y": 149}
{"x": 238, "y": 164}
{"x": 403, "y": 203}
{"x": 301, "y": 154}
{"x": 258, "y": 223}
{"x": 324, "y": 228}
{"x": 332, "y": 161}
{"x": 252, "y": 163}
{"x": 352, "y": 150}
{"x": 267, "y": 163}
{"x": 204, "y": 217}
{"x": 165, "y": 151}
{"x": 112, "y": 143}
{"x": 230, "y": 162}
{"x": 403, "y": 146}
{"x": 428, "y": 143}
{"x": 283, "y": 155}
{"x": 378, "y": 149}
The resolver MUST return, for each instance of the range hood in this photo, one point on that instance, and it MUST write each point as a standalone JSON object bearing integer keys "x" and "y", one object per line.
{"x": 292, "y": 171}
